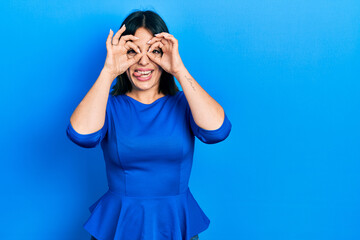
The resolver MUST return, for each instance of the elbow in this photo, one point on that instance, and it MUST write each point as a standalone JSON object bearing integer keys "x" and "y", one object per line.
{"x": 215, "y": 138}
{"x": 83, "y": 140}
{"x": 217, "y": 135}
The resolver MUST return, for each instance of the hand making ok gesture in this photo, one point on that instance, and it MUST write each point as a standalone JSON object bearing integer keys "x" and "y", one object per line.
{"x": 170, "y": 60}
{"x": 117, "y": 61}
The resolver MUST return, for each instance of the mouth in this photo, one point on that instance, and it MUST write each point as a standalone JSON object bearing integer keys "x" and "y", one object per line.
{"x": 143, "y": 75}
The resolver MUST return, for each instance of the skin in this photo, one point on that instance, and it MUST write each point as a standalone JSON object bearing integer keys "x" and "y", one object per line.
{"x": 145, "y": 91}
{"x": 206, "y": 111}
{"x": 89, "y": 116}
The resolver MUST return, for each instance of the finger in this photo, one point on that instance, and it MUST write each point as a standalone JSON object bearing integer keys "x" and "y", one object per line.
{"x": 135, "y": 59}
{"x": 128, "y": 37}
{"x": 164, "y": 35}
{"x": 153, "y": 58}
{"x": 172, "y": 39}
{"x": 154, "y": 39}
{"x": 165, "y": 45}
{"x": 168, "y": 36}
{"x": 161, "y": 34}
{"x": 166, "y": 42}
{"x": 108, "y": 40}
{"x": 118, "y": 34}
{"x": 155, "y": 45}
{"x": 131, "y": 45}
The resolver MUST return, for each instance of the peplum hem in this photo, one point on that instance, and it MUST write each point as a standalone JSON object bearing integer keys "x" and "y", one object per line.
{"x": 115, "y": 216}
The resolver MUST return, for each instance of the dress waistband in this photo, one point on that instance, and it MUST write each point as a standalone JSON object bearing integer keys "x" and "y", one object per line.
{"x": 122, "y": 194}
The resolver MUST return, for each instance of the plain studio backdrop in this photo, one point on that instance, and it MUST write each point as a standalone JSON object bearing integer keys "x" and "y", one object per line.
{"x": 286, "y": 73}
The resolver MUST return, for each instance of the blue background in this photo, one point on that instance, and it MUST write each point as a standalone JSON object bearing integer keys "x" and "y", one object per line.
{"x": 286, "y": 72}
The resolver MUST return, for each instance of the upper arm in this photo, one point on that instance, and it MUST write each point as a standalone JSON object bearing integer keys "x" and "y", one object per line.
{"x": 90, "y": 140}
{"x": 209, "y": 136}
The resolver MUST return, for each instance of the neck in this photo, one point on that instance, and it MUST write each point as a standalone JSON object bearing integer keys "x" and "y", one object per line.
{"x": 144, "y": 96}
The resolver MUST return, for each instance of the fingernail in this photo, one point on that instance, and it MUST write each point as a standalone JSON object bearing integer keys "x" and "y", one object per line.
{"x": 110, "y": 30}
{"x": 136, "y": 37}
{"x": 156, "y": 34}
{"x": 149, "y": 41}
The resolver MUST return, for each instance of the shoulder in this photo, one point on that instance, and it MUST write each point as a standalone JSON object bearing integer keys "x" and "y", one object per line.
{"x": 179, "y": 102}
{"x": 179, "y": 95}
{"x": 179, "y": 98}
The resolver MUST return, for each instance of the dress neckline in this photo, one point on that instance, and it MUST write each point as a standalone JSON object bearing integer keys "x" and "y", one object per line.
{"x": 146, "y": 104}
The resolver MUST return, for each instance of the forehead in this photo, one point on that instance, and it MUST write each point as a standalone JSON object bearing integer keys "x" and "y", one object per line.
{"x": 144, "y": 36}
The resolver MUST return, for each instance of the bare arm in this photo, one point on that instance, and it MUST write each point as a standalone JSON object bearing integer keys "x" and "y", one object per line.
{"x": 89, "y": 115}
{"x": 208, "y": 114}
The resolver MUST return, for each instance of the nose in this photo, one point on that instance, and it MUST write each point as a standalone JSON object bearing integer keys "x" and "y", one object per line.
{"x": 144, "y": 60}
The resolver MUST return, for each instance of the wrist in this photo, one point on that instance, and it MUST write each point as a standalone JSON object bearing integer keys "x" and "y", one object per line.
{"x": 179, "y": 72}
{"x": 108, "y": 74}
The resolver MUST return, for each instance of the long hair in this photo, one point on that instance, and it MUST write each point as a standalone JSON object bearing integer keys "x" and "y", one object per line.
{"x": 155, "y": 24}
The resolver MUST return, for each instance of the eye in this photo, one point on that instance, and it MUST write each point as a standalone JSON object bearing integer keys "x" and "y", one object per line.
{"x": 157, "y": 51}
{"x": 131, "y": 52}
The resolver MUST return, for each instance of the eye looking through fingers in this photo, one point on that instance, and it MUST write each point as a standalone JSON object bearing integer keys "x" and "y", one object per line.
{"x": 157, "y": 51}
{"x": 131, "y": 52}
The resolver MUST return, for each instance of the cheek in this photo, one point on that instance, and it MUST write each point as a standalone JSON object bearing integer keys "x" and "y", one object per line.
{"x": 159, "y": 72}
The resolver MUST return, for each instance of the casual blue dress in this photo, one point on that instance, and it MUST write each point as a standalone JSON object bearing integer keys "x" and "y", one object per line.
{"x": 148, "y": 151}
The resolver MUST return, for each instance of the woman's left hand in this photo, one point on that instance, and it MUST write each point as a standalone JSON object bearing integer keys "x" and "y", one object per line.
{"x": 170, "y": 60}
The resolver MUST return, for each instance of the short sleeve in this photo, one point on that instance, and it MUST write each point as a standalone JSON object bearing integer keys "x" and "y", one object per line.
{"x": 90, "y": 140}
{"x": 209, "y": 136}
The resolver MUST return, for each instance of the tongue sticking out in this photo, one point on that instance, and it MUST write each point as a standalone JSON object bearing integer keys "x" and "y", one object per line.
{"x": 137, "y": 74}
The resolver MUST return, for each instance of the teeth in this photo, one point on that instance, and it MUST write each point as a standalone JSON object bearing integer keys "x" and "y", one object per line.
{"x": 146, "y": 75}
{"x": 144, "y": 72}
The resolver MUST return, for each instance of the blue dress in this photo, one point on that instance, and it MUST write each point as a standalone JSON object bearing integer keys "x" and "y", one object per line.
{"x": 148, "y": 151}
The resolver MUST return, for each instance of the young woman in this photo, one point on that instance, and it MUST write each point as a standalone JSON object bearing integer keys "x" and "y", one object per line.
{"x": 146, "y": 128}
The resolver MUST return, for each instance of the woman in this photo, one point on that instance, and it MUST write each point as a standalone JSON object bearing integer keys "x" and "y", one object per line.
{"x": 147, "y": 129}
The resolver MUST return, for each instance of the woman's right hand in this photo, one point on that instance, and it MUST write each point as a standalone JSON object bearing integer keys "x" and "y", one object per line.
{"x": 117, "y": 60}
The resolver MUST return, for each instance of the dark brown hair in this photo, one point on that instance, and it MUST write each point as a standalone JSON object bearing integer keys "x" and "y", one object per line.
{"x": 155, "y": 24}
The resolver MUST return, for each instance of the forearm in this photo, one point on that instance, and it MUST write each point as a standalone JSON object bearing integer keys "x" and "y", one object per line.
{"x": 89, "y": 115}
{"x": 207, "y": 113}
